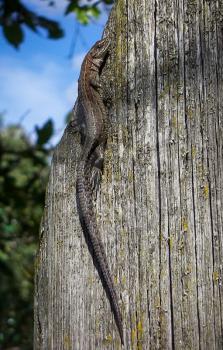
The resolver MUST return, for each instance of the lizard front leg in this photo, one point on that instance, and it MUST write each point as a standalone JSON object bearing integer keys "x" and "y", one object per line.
{"x": 78, "y": 123}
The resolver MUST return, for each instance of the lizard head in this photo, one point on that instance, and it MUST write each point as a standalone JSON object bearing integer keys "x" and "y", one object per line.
{"x": 100, "y": 48}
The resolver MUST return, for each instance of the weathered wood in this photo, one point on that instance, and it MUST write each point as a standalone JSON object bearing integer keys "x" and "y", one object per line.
{"x": 161, "y": 198}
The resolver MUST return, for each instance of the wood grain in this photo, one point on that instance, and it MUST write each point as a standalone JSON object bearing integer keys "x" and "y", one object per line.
{"x": 160, "y": 203}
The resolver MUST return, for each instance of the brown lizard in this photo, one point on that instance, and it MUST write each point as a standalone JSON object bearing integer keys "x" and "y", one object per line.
{"x": 91, "y": 122}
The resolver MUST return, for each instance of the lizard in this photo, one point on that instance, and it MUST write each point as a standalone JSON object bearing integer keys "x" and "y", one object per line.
{"x": 91, "y": 121}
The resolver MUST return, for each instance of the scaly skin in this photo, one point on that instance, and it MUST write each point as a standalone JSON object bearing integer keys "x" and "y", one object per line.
{"x": 91, "y": 121}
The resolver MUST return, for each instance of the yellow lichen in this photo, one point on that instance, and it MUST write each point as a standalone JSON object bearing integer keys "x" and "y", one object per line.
{"x": 206, "y": 191}
{"x": 130, "y": 176}
{"x": 174, "y": 121}
{"x": 184, "y": 224}
{"x": 117, "y": 176}
{"x": 123, "y": 232}
{"x": 193, "y": 151}
{"x": 67, "y": 342}
{"x": 190, "y": 112}
{"x": 123, "y": 280}
{"x": 108, "y": 339}
{"x": 171, "y": 241}
{"x": 139, "y": 346}
{"x": 215, "y": 276}
{"x": 137, "y": 335}
{"x": 140, "y": 329}
{"x": 90, "y": 280}
{"x": 133, "y": 335}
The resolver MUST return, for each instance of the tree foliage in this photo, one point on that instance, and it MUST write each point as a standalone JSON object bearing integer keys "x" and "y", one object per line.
{"x": 24, "y": 171}
{"x": 15, "y": 16}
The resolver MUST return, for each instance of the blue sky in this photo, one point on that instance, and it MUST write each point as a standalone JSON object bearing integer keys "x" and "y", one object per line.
{"x": 39, "y": 80}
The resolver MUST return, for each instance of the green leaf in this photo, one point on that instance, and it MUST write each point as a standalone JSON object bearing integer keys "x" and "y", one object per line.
{"x": 93, "y": 12}
{"x": 9, "y": 228}
{"x": 82, "y": 15}
{"x": 28, "y": 20}
{"x": 72, "y": 7}
{"x": 13, "y": 34}
{"x": 108, "y": 2}
{"x": 55, "y": 32}
{"x": 44, "y": 133}
{"x": 53, "y": 28}
{"x": 2, "y": 213}
{"x": 3, "y": 256}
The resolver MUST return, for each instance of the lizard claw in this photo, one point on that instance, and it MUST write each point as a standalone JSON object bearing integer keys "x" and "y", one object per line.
{"x": 95, "y": 179}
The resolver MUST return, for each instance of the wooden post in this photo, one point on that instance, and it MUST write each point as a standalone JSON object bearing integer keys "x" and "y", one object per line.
{"x": 159, "y": 207}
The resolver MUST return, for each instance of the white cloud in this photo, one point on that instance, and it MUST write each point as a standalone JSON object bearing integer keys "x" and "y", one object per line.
{"x": 77, "y": 61}
{"x": 44, "y": 91}
{"x": 71, "y": 93}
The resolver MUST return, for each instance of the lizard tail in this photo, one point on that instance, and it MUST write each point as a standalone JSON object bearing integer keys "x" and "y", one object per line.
{"x": 90, "y": 229}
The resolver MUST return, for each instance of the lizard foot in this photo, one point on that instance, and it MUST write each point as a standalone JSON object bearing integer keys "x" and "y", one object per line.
{"x": 95, "y": 179}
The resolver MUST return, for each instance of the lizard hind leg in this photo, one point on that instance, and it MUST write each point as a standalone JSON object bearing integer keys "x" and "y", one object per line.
{"x": 77, "y": 122}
